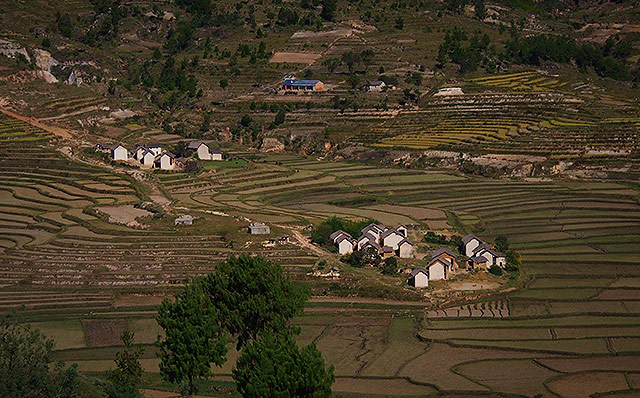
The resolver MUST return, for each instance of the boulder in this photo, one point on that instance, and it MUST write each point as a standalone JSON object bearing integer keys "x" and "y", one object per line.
{"x": 271, "y": 145}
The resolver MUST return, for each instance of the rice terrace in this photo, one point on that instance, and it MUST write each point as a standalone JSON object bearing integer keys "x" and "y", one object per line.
{"x": 320, "y": 198}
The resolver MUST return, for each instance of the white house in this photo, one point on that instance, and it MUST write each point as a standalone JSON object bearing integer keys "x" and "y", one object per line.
{"x": 216, "y": 153}
{"x": 334, "y": 236}
{"x": 147, "y": 159}
{"x": 155, "y": 148}
{"x": 374, "y": 86}
{"x": 492, "y": 256}
{"x": 118, "y": 152}
{"x": 366, "y": 238}
{"x": 373, "y": 229}
{"x": 205, "y": 152}
{"x": 345, "y": 244}
{"x": 402, "y": 229}
{"x": 258, "y": 228}
{"x": 166, "y": 161}
{"x": 438, "y": 269}
{"x": 183, "y": 220}
{"x": 391, "y": 238}
{"x": 419, "y": 278}
{"x": 405, "y": 249}
{"x": 469, "y": 243}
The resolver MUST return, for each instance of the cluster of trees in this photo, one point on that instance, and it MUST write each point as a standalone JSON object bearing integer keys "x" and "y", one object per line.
{"x": 467, "y": 53}
{"x": 288, "y": 14}
{"x": 106, "y": 22}
{"x": 607, "y": 61}
{"x": 369, "y": 257}
{"x": 501, "y": 243}
{"x": 250, "y": 300}
{"x": 26, "y": 368}
{"x": 435, "y": 238}
{"x": 321, "y": 233}
{"x": 350, "y": 59}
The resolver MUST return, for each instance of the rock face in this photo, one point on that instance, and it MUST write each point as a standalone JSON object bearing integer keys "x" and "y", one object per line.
{"x": 225, "y": 135}
{"x": 11, "y": 49}
{"x": 44, "y": 60}
{"x": 271, "y": 145}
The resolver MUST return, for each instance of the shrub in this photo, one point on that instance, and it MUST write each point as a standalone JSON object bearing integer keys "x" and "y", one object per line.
{"x": 389, "y": 266}
{"x": 495, "y": 270}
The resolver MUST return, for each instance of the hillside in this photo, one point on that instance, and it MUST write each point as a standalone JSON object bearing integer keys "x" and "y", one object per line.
{"x": 194, "y": 72}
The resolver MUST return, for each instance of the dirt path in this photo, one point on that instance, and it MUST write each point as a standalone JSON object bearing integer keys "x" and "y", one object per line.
{"x": 307, "y": 244}
{"x": 59, "y": 131}
{"x": 78, "y": 112}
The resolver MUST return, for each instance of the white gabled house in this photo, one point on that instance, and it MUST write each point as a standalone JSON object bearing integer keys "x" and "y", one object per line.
{"x": 373, "y": 229}
{"x": 166, "y": 161}
{"x": 155, "y": 148}
{"x": 334, "y": 236}
{"x": 419, "y": 278}
{"x": 118, "y": 152}
{"x": 365, "y": 238}
{"x": 469, "y": 244}
{"x": 403, "y": 230}
{"x": 216, "y": 153}
{"x": 405, "y": 249}
{"x": 437, "y": 268}
{"x": 345, "y": 244}
{"x": 147, "y": 159}
{"x": 493, "y": 257}
{"x": 204, "y": 151}
{"x": 391, "y": 238}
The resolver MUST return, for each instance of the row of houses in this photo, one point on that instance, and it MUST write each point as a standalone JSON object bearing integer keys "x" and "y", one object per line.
{"x": 481, "y": 256}
{"x": 153, "y": 155}
{"x": 442, "y": 265}
{"x": 386, "y": 241}
{"x": 444, "y": 261}
{"x": 291, "y": 84}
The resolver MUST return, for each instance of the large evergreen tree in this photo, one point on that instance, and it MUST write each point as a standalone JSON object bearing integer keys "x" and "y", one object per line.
{"x": 253, "y": 294}
{"x": 274, "y": 366}
{"x": 194, "y": 337}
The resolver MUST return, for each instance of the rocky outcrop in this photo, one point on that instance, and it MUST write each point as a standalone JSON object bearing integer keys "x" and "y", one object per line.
{"x": 271, "y": 145}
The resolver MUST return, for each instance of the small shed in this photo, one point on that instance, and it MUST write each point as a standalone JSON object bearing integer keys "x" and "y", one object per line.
{"x": 183, "y": 220}
{"x": 258, "y": 228}
{"x": 419, "y": 278}
{"x": 374, "y": 86}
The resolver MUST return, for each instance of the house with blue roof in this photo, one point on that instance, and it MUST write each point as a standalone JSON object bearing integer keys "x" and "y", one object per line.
{"x": 302, "y": 85}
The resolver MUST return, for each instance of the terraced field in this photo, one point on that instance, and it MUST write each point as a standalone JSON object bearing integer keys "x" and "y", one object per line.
{"x": 573, "y": 324}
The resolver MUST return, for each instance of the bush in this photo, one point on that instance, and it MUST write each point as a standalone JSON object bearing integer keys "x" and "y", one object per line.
{"x": 495, "y": 270}
{"x": 389, "y": 266}
{"x": 322, "y": 231}
{"x": 432, "y": 237}
{"x": 362, "y": 258}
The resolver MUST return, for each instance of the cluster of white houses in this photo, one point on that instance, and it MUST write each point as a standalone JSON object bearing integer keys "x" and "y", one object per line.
{"x": 386, "y": 241}
{"x": 444, "y": 261}
{"x": 481, "y": 256}
{"x": 153, "y": 155}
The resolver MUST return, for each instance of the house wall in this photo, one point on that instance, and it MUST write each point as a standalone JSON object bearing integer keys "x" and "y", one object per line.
{"x": 489, "y": 257}
{"x": 216, "y": 156}
{"x": 156, "y": 151}
{"x": 437, "y": 272}
{"x": 392, "y": 241}
{"x": 405, "y": 251}
{"x": 420, "y": 280}
{"x": 470, "y": 246}
{"x": 166, "y": 163}
{"x": 501, "y": 261}
{"x": 203, "y": 153}
{"x": 148, "y": 160}
{"x": 120, "y": 153}
{"x": 139, "y": 153}
{"x": 345, "y": 247}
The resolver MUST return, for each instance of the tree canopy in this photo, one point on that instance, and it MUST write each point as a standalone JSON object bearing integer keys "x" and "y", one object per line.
{"x": 194, "y": 337}
{"x": 253, "y": 294}
{"x": 25, "y": 362}
{"x": 274, "y": 366}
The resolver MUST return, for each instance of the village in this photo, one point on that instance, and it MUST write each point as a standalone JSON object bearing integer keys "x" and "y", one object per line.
{"x": 155, "y": 156}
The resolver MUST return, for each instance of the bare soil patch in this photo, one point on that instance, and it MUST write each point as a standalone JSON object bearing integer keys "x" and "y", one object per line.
{"x": 295, "y": 58}
{"x": 103, "y": 332}
{"x": 308, "y": 34}
{"x": 136, "y": 300}
{"x": 126, "y": 214}
{"x": 470, "y": 285}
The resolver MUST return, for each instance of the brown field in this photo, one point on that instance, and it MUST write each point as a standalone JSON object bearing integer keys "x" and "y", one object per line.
{"x": 585, "y": 384}
{"x": 294, "y": 58}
